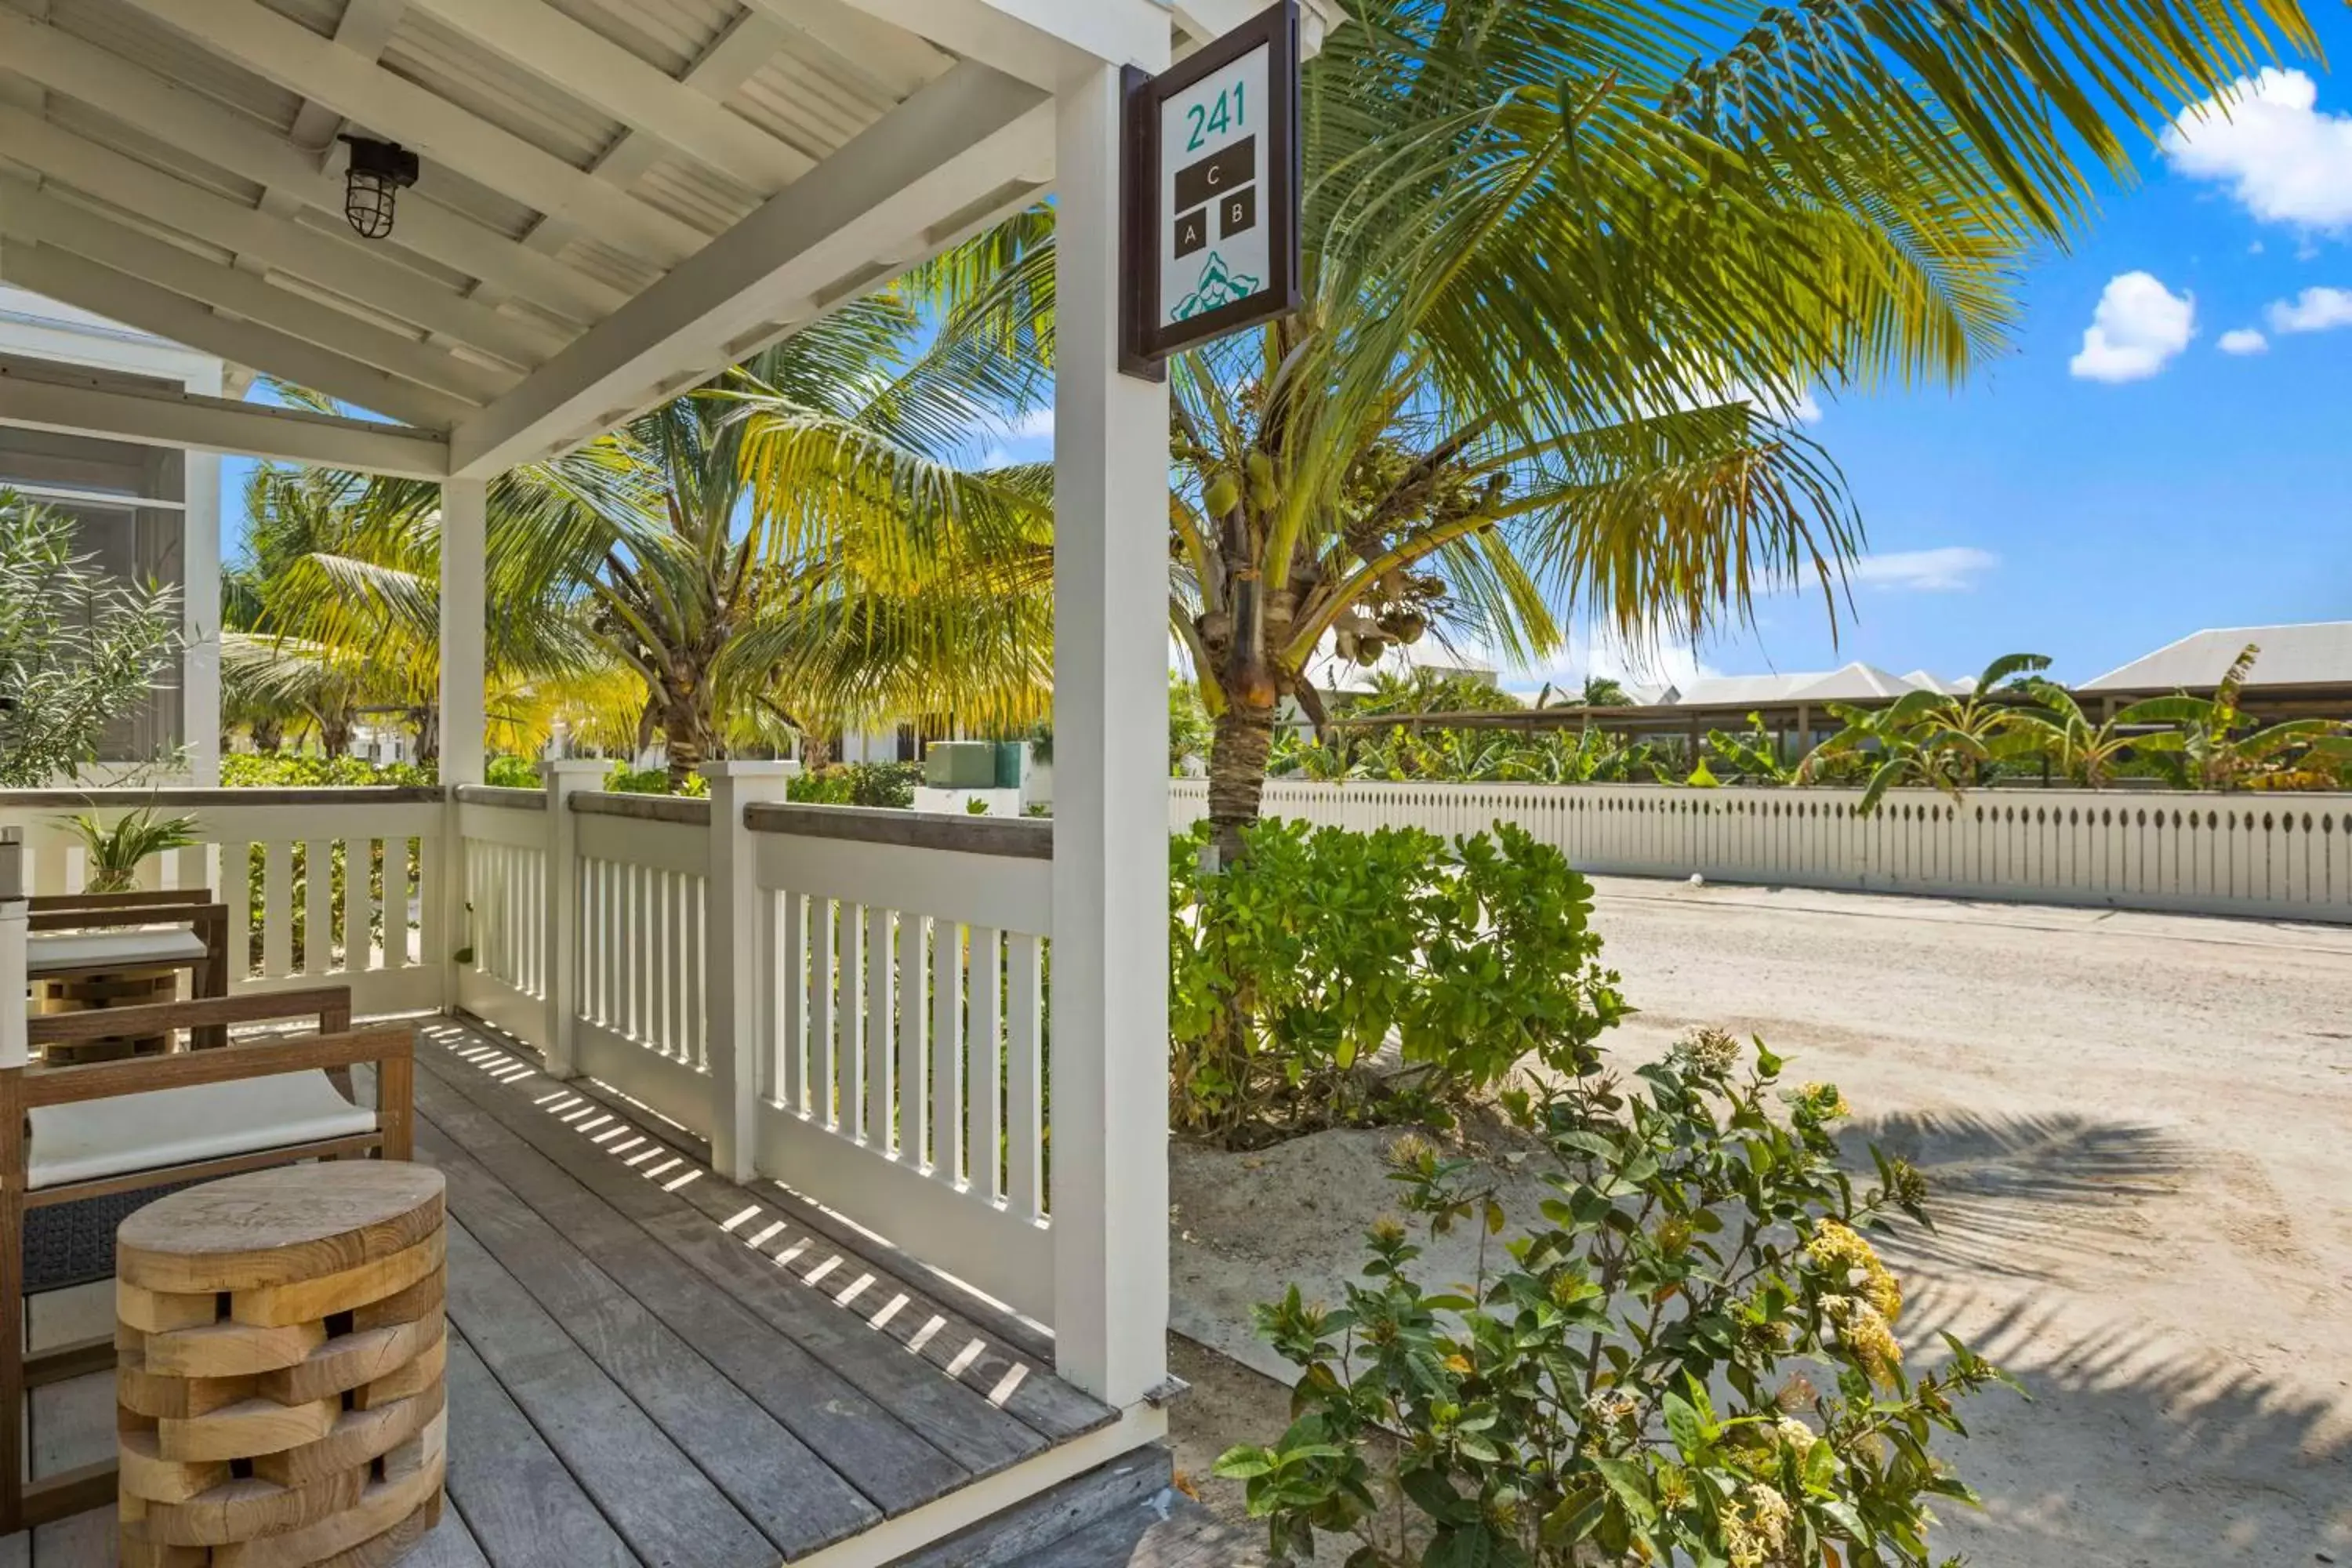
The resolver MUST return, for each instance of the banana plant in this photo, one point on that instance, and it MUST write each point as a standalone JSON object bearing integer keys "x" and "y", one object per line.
{"x": 1751, "y": 755}
{"x": 1943, "y": 740}
{"x": 2085, "y": 753}
{"x": 2213, "y": 747}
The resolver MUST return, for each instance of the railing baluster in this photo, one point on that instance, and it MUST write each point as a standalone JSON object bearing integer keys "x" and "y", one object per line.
{"x": 849, "y": 1017}
{"x": 983, "y": 1060}
{"x": 947, "y": 1050}
{"x": 880, "y": 965}
{"x": 792, "y": 987}
{"x": 1023, "y": 1085}
{"x": 359, "y": 905}
{"x": 319, "y": 911}
{"x": 821, "y": 919}
{"x": 913, "y": 1142}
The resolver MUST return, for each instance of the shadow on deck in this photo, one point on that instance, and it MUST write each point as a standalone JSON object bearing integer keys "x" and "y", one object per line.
{"x": 651, "y": 1366}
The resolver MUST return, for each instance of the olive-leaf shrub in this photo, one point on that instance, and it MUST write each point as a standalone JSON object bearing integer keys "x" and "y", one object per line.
{"x": 1292, "y": 967}
{"x": 1690, "y": 1360}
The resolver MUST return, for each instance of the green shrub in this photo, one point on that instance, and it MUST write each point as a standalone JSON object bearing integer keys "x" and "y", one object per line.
{"x": 513, "y": 773}
{"x": 1289, "y": 970}
{"x": 623, "y": 779}
{"x": 271, "y": 770}
{"x": 1635, "y": 1382}
{"x": 858, "y": 783}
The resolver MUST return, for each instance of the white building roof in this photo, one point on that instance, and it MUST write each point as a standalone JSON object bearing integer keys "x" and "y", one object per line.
{"x": 1856, "y": 682}
{"x": 1728, "y": 690}
{"x": 1330, "y": 673}
{"x": 2303, "y": 654}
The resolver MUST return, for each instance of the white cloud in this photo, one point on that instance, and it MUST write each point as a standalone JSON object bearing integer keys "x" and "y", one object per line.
{"x": 2244, "y": 341}
{"x": 2138, "y": 327}
{"x": 1036, "y": 425}
{"x": 2284, "y": 160}
{"x": 2313, "y": 310}
{"x": 1948, "y": 569}
{"x": 1653, "y": 659}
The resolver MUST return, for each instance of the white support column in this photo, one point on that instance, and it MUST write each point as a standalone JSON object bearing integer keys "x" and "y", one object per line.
{"x": 730, "y": 958}
{"x": 465, "y": 620}
{"x": 464, "y": 625}
{"x": 200, "y": 559}
{"x": 558, "y": 1039}
{"x": 1110, "y": 790}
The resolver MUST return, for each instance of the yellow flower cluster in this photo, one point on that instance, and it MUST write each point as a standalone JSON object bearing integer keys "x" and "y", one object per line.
{"x": 1843, "y": 1251}
{"x": 1755, "y": 1530}
{"x": 1865, "y": 1333}
{"x": 1790, "y": 1433}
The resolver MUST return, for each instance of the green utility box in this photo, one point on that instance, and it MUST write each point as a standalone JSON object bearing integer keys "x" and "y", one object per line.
{"x": 973, "y": 764}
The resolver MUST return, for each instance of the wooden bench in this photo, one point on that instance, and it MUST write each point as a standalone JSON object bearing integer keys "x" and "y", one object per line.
{"x": 100, "y": 1132}
{"x": 103, "y": 948}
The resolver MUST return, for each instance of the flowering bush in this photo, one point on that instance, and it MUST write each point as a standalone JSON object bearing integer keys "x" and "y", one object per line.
{"x": 1691, "y": 1360}
{"x": 1293, "y": 966}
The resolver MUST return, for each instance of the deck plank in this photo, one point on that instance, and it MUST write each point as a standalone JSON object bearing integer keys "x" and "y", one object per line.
{"x": 665, "y": 1508}
{"x": 1004, "y": 1369}
{"x": 857, "y": 1436}
{"x": 770, "y": 1474}
{"x": 517, "y": 1500}
{"x": 957, "y": 1419}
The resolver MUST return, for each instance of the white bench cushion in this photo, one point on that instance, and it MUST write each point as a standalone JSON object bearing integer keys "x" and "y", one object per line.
{"x": 51, "y": 951}
{"x": 168, "y": 1127}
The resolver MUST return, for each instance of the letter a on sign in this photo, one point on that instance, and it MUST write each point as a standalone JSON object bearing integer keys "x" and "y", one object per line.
{"x": 1211, "y": 191}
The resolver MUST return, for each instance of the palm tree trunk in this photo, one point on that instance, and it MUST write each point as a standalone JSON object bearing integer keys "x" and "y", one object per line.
{"x": 1242, "y": 740}
{"x": 686, "y": 734}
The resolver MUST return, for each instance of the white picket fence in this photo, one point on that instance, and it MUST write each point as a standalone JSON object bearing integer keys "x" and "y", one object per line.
{"x": 349, "y": 892}
{"x": 2282, "y": 855}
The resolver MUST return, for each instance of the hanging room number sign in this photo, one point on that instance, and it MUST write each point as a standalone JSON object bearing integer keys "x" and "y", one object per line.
{"x": 1211, "y": 190}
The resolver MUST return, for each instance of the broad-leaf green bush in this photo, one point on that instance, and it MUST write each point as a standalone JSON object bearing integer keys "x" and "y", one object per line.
{"x": 273, "y": 770}
{"x": 1292, "y": 968}
{"x": 1691, "y": 1359}
{"x": 858, "y": 783}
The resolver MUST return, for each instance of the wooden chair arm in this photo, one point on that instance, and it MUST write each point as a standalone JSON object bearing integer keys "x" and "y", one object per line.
{"x": 81, "y": 917}
{"x": 329, "y": 1005}
{"x": 104, "y": 1080}
{"x": 138, "y": 898}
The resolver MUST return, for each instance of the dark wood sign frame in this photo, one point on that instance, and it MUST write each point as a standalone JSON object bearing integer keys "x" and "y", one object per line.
{"x": 1145, "y": 342}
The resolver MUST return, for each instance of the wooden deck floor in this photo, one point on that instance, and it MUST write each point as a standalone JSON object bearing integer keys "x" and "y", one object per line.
{"x": 652, "y": 1366}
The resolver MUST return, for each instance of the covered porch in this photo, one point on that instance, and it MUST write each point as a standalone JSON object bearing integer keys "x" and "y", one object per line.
{"x": 618, "y": 199}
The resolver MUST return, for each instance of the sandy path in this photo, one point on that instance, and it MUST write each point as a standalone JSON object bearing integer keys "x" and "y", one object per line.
{"x": 2140, "y": 1129}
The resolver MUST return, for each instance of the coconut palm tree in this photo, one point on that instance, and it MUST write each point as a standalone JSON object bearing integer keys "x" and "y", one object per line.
{"x": 1564, "y": 285}
{"x": 790, "y": 550}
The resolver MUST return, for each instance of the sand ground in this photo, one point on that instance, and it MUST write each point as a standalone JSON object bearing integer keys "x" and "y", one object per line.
{"x": 2139, "y": 1130}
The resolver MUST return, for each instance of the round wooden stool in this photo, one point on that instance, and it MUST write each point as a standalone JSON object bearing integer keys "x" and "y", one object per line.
{"x": 281, "y": 1342}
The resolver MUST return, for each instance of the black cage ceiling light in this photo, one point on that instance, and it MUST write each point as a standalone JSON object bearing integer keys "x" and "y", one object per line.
{"x": 378, "y": 170}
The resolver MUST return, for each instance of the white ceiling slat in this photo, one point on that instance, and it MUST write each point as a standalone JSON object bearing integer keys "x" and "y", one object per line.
{"x": 1036, "y": 41}
{"x": 30, "y": 214}
{"x": 954, "y": 154}
{"x": 729, "y": 63}
{"x": 145, "y": 101}
{"x": 76, "y": 281}
{"x": 364, "y": 28}
{"x": 552, "y": 45}
{"x": 891, "y": 61}
{"x": 40, "y": 397}
{"x": 340, "y": 264}
{"x": 291, "y": 55}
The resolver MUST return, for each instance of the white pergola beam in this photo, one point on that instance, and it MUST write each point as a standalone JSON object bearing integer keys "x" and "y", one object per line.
{"x": 947, "y": 159}
{"x": 76, "y": 281}
{"x": 37, "y": 397}
{"x": 32, "y": 215}
{"x": 244, "y": 147}
{"x": 559, "y": 51}
{"x": 364, "y": 28}
{"x": 440, "y": 131}
{"x": 343, "y": 266}
{"x": 735, "y": 58}
{"x": 1041, "y": 42}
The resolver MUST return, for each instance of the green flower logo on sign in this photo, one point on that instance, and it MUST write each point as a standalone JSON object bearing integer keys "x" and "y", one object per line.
{"x": 1217, "y": 288}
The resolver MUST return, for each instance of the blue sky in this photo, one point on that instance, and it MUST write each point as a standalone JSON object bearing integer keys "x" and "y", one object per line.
{"x": 2092, "y": 501}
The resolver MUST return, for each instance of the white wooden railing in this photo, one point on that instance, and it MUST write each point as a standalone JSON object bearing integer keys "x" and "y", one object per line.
{"x": 501, "y": 955}
{"x": 639, "y": 872}
{"x": 2278, "y": 854}
{"x": 901, "y": 1024}
{"x": 340, "y": 886}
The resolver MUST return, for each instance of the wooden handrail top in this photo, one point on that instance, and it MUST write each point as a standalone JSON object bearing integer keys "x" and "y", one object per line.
{"x": 257, "y": 1058}
{"x": 502, "y": 798}
{"x": 1026, "y": 839}
{"x": 689, "y": 810}
{"x": 200, "y": 799}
